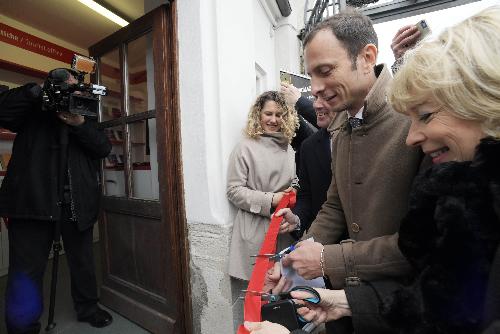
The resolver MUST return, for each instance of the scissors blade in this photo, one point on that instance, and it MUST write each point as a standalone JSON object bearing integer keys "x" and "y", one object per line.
{"x": 263, "y": 255}
{"x": 255, "y": 293}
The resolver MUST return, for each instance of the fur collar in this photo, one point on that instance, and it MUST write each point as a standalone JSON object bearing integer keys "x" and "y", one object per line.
{"x": 450, "y": 236}
{"x": 488, "y": 156}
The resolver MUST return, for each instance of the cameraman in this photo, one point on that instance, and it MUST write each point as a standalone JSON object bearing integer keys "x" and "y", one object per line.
{"x": 29, "y": 199}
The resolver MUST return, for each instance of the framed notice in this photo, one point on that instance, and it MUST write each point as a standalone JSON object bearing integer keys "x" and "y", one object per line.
{"x": 302, "y": 82}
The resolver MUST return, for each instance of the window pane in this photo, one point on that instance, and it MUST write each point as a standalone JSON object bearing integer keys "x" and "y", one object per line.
{"x": 111, "y": 77}
{"x": 140, "y": 72}
{"x": 143, "y": 156}
{"x": 114, "y": 174}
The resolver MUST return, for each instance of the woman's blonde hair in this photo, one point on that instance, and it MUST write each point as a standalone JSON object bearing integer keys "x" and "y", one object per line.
{"x": 290, "y": 119}
{"x": 459, "y": 70}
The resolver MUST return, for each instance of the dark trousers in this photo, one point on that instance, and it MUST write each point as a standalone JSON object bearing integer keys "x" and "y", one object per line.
{"x": 29, "y": 246}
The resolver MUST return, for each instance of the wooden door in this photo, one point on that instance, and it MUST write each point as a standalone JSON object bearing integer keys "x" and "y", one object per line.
{"x": 142, "y": 226}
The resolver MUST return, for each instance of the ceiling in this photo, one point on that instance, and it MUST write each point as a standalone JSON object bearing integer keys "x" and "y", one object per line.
{"x": 71, "y": 20}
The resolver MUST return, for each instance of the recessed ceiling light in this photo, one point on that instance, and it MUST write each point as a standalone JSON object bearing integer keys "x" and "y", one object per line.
{"x": 104, "y": 12}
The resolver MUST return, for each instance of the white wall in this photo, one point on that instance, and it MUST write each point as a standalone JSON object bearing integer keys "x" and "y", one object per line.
{"x": 437, "y": 21}
{"x": 221, "y": 42}
{"x": 264, "y": 40}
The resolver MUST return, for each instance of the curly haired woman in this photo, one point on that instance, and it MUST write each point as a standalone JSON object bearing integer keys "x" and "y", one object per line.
{"x": 261, "y": 170}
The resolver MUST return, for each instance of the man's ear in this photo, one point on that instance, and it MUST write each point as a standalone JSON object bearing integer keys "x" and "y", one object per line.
{"x": 368, "y": 57}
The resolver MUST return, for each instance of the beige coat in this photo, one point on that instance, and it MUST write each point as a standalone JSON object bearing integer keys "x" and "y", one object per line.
{"x": 372, "y": 174}
{"x": 257, "y": 169}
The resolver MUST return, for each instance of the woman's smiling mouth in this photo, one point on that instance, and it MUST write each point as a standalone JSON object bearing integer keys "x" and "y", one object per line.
{"x": 438, "y": 155}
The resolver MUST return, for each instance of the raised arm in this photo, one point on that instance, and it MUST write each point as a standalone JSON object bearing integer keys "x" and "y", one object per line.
{"x": 19, "y": 104}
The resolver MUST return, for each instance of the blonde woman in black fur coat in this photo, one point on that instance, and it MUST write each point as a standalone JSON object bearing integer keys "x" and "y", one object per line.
{"x": 450, "y": 88}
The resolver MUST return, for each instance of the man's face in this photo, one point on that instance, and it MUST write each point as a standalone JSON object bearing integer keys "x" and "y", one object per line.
{"x": 334, "y": 83}
{"x": 324, "y": 118}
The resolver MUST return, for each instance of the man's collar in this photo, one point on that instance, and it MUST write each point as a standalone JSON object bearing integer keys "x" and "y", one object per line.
{"x": 377, "y": 96}
{"x": 359, "y": 114}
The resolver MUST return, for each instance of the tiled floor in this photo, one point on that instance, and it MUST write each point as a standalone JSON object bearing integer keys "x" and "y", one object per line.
{"x": 65, "y": 317}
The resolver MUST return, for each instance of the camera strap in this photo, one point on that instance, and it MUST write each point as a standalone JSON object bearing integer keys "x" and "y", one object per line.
{"x": 253, "y": 303}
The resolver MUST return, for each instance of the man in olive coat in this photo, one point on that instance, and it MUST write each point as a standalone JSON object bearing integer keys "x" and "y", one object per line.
{"x": 372, "y": 167}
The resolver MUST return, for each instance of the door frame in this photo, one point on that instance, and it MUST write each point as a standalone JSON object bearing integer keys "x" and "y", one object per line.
{"x": 162, "y": 22}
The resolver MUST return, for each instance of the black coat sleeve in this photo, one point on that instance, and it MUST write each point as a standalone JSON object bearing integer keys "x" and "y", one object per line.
{"x": 92, "y": 140}
{"x": 494, "y": 328}
{"x": 365, "y": 301}
{"x": 492, "y": 303}
{"x": 303, "y": 132}
{"x": 305, "y": 108}
{"x": 303, "y": 206}
{"x": 17, "y": 105}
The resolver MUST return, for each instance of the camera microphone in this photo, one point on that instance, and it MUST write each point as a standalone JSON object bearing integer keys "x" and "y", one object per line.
{"x": 59, "y": 75}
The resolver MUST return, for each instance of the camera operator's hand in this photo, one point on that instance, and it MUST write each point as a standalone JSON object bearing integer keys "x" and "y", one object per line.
{"x": 333, "y": 305}
{"x": 265, "y": 327}
{"x": 71, "y": 119}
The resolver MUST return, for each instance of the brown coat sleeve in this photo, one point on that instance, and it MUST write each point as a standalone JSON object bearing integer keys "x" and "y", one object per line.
{"x": 378, "y": 258}
{"x": 369, "y": 260}
{"x": 330, "y": 224}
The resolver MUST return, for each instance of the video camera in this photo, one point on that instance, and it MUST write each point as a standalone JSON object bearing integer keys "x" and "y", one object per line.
{"x": 60, "y": 94}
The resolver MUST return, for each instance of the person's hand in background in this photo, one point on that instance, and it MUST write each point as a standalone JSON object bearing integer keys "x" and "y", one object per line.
{"x": 279, "y": 195}
{"x": 71, "y": 119}
{"x": 265, "y": 327}
{"x": 291, "y": 93}
{"x": 405, "y": 39}
{"x": 333, "y": 305}
{"x": 289, "y": 222}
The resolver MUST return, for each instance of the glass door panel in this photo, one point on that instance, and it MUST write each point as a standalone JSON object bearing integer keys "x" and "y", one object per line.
{"x": 140, "y": 74}
{"x": 111, "y": 77}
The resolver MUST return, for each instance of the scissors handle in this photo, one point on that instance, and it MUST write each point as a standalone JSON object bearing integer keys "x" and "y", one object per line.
{"x": 315, "y": 299}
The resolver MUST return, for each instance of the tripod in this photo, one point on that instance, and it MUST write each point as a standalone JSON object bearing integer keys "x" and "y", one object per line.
{"x": 56, "y": 245}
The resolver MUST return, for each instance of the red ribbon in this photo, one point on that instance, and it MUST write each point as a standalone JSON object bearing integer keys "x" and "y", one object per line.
{"x": 253, "y": 303}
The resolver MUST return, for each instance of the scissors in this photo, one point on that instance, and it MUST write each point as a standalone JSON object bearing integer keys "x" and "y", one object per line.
{"x": 276, "y": 256}
{"x": 270, "y": 297}
{"x": 314, "y": 299}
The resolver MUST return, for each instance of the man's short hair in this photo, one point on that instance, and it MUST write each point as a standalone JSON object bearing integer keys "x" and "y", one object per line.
{"x": 353, "y": 29}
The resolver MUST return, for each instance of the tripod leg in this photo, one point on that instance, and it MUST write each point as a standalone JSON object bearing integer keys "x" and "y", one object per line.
{"x": 53, "y": 285}
{"x": 63, "y": 156}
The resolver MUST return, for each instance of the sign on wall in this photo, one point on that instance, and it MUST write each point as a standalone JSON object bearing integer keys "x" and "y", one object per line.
{"x": 302, "y": 82}
{"x": 35, "y": 44}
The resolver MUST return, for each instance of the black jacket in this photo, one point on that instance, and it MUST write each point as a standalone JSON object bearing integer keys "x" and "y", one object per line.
{"x": 29, "y": 189}
{"x": 307, "y": 126}
{"x": 451, "y": 237}
{"x": 305, "y": 108}
{"x": 315, "y": 174}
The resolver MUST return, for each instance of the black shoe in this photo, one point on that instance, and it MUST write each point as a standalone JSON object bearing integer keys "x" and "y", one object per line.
{"x": 98, "y": 319}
